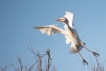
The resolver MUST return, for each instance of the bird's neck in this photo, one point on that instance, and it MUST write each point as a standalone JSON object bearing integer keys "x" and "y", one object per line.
{"x": 67, "y": 25}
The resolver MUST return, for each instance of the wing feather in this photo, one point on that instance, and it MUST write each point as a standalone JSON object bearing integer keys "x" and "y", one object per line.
{"x": 50, "y": 30}
{"x": 69, "y": 16}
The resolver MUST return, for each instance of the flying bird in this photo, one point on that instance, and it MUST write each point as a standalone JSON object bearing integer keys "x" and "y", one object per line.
{"x": 69, "y": 32}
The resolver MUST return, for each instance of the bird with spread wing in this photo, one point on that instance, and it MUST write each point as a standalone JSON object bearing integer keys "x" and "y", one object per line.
{"x": 69, "y": 32}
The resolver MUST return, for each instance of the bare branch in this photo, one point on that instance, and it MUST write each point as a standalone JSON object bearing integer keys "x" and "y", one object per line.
{"x": 7, "y": 66}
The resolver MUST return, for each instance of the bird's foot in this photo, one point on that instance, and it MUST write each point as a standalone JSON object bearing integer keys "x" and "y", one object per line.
{"x": 95, "y": 54}
{"x": 84, "y": 61}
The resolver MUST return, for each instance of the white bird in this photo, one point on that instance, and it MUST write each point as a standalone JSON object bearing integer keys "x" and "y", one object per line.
{"x": 70, "y": 34}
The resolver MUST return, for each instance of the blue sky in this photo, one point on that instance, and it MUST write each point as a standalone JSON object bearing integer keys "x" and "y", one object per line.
{"x": 17, "y": 17}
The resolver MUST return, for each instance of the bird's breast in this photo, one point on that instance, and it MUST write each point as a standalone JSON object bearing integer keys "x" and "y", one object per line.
{"x": 73, "y": 38}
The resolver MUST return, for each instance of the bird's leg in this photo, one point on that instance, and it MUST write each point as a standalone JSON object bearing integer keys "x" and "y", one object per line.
{"x": 84, "y": 61}
{"x": 94, "y": 53}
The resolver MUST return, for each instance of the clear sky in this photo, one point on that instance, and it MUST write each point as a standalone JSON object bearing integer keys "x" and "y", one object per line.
{"x": 17, "y": 17}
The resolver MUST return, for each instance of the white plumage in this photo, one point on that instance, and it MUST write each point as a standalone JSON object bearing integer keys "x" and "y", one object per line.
{"x": 70, "y": 34}
{"x": 51, "y": 29}
{"x": 70, "y": 17}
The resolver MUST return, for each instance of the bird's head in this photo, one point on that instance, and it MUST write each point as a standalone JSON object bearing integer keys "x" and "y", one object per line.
{"x": 63, "y": 19}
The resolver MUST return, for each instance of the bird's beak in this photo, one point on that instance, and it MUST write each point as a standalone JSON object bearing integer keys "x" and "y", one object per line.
{"x": 58, "y": 19}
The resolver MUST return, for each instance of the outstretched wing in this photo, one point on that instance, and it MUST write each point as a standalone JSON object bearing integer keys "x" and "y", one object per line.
{"x": 50, "y": 30}
{"x": 69, "y": 16}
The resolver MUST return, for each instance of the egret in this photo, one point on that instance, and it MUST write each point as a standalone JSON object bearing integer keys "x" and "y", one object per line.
{"x": 70, "y": 34}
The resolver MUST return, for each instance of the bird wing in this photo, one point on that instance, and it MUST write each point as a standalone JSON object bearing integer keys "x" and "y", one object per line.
{"x": 51, "y": 29}
{"x": 69, "y": 16}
